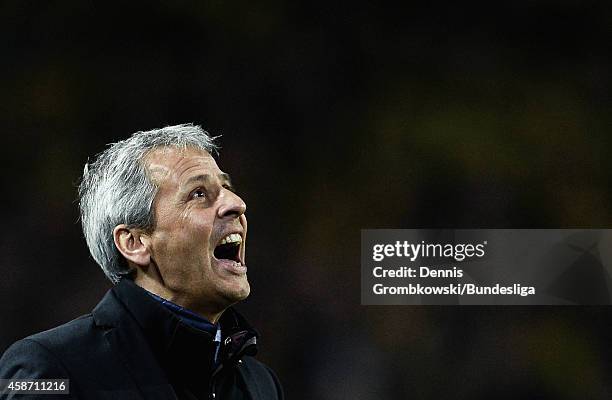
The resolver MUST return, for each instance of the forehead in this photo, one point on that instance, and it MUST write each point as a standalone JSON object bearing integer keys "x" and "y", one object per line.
{"x": 172, "y": 165}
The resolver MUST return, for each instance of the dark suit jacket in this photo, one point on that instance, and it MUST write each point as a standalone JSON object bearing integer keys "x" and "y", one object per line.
{"x": 131, "y": 347}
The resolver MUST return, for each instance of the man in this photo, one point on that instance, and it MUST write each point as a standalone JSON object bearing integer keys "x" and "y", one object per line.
{"x": 167, "y": 228}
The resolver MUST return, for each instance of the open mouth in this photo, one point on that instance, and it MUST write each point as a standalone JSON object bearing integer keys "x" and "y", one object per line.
{"x": 229, "y": 248}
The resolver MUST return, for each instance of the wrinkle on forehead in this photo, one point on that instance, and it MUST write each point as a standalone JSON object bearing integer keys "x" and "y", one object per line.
{"x": 164, "y": 167}
{"x": 163, "y": 163}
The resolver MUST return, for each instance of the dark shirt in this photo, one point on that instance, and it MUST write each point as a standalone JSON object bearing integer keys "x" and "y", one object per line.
{"x": 194, "y": 320}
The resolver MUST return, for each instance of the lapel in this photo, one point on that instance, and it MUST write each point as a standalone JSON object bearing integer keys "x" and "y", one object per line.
{"x": 251, "y": 383}
{"x": 125, "y": 337}
{"x": 126, "y": 312}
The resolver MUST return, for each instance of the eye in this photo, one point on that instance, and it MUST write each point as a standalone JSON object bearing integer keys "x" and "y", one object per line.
{"x": 199, "y": 192}
{"x": 229, "y": 187}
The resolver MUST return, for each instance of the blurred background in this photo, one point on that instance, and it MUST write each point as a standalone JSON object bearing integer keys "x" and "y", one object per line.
{"x": 334, "y": 118}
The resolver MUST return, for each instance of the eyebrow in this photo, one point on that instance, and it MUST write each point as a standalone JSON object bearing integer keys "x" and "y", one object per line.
{"x": 206, "y": 178}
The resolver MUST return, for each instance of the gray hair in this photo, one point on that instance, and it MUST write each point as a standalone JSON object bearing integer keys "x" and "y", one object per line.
{"x": 116, "y": 189}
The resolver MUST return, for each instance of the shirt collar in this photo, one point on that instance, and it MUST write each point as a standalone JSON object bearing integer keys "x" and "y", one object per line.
{"x": 173, "y": 340}
{"x": 189, "y": 317}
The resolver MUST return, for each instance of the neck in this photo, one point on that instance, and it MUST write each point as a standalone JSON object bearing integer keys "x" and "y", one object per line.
{"x": 162, "y": 291}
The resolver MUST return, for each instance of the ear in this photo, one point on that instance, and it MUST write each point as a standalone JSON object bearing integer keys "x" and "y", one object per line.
{"x": 133, "y": 244}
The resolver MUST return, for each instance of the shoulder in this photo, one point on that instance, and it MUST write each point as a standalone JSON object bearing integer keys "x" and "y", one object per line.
{"x": 71, "y": 339}
{"x": 29, "y": 359}
{"x": 48, "y": 353}
{"x": 261, "y": 378}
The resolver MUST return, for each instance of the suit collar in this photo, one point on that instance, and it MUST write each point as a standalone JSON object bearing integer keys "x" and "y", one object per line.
{"x": 125, "y": 336}
{"x": 157, "y": 348}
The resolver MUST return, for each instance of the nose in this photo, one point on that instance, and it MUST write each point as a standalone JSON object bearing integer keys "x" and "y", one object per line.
{"x": 231, "y": 204}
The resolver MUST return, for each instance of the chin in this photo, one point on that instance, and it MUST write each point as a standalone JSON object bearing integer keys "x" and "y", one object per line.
{"x": 238, "y": 292}
{"x": 243, "y": 292}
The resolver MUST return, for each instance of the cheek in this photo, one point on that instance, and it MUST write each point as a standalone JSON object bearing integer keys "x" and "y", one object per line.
{"x": 188, "y": 236}
{"x": 199, "y": 230}
{"x": 199, "y": 221}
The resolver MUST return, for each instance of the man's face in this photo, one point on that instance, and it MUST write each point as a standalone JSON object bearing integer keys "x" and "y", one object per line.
{"x": 199, "y": 237}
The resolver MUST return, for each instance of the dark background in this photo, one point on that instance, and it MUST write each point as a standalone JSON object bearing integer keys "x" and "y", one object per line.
{"x": 334, "y": 118}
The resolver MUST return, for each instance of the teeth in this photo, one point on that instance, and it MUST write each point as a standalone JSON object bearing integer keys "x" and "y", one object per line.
{"x": 233, "y": 238}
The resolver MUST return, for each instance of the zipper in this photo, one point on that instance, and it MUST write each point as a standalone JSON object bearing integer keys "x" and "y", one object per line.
{"x": 251, "y": 342}
{"x": 212, "y": 388}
